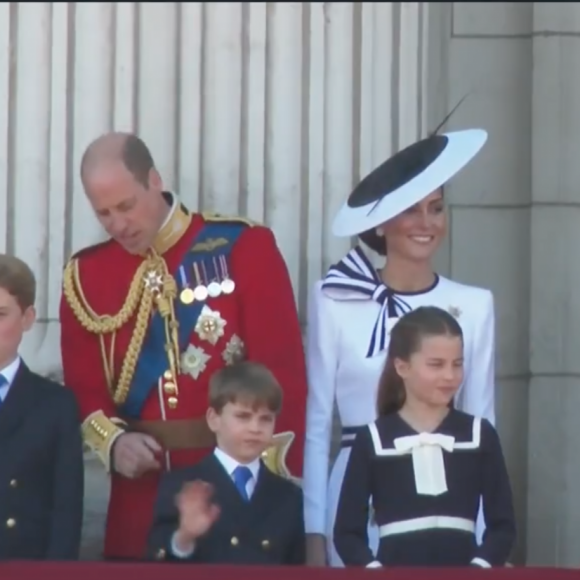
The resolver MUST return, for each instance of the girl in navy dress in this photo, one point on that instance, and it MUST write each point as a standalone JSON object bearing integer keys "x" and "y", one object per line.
{"x": 422, "y": 465}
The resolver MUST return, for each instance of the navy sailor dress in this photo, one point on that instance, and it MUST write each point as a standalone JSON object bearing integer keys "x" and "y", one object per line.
{"x": 425, "y": 491}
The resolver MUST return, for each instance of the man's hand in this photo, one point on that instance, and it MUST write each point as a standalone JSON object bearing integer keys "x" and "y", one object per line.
{"x": 197, "y": 513}
{"x": 134, "y": 454}
{"x": 316, "y": 550}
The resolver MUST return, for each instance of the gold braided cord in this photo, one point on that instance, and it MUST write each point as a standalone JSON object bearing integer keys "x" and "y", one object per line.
{"x": 86, "y": 316}
{"x": 139, "y": 297}
{"x": 135, "y": 345}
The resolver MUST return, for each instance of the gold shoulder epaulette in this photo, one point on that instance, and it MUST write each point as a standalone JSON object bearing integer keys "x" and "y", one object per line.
{"x": 216, "y": 217}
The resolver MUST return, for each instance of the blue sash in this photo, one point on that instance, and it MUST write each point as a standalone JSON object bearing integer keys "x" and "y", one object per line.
{"x": 215, "y": 239}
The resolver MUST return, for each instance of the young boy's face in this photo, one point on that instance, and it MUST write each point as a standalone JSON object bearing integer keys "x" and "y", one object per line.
{"x": 13, "y": 323}
{"x": 242, "y": 430}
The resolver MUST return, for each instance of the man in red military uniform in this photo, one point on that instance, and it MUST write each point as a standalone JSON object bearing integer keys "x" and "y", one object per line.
{"x": 149, "y": 315}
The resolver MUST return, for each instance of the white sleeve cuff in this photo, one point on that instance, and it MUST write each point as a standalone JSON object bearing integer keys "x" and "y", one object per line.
{"x": 374, "y": 564}
{"x": 180, "y": 553}
{"x": 481, "y": 563}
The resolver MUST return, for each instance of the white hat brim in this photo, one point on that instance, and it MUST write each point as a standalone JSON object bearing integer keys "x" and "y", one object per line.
{"x": 461, "y": 148}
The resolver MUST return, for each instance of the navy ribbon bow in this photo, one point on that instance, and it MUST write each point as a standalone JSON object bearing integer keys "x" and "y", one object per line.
{"x": 354, "y": 277}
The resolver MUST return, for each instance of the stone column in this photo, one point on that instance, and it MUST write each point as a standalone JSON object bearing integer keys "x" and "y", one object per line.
{"x": 554, "y": 415}
{"x": 489, "y": 57}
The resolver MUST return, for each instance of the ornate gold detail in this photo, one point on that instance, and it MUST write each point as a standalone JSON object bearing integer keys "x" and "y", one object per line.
{"x": 274, "y": 457}
{"x": 194, "y": 361}
{"x": 174, "y": 228}
{"x": 210, "y": 325}
{"x": 209, "y": 245}
{"x": 152, "y": 286}
{"x": 234, "y": 351}
{"x": 170, "y": 388}
{"x": 99, "y": 433}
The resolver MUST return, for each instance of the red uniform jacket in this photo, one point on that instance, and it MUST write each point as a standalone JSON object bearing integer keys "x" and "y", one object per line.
{"x": 260, "y": 312}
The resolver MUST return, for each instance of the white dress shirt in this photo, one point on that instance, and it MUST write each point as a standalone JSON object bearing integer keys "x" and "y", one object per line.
{"x": 229, "y": 464}
{"x": 9, "y": 372}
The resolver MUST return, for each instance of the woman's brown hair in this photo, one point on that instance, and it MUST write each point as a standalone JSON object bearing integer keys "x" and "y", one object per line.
{"x": 405, "y": 340}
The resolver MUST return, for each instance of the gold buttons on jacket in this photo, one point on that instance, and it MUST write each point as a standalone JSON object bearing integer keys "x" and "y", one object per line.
{"x": 265, "y": 544}
{"x": 10, "y": 522}
{"x": 160, "y": 554}
{"x": 234, "y": 541}
{"x": 13, "y": 483}
{"x": 170, "y": 388}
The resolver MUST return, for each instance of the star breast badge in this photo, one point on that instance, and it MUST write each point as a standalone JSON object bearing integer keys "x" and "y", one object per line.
{"x": 234, "y": 351}
{"x": 210, "y": 325}
{"x": 153, "y": 281}
{"x": 194, "y": 361}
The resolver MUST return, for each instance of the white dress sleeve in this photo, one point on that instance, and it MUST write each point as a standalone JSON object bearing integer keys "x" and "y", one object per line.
{"x": 478, "y": 397}
{"x": 321, "y": 362}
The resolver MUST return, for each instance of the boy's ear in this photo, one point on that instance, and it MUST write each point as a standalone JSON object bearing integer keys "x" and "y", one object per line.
{"x": 29, "y": 317}
{"x": 212, "y": 418}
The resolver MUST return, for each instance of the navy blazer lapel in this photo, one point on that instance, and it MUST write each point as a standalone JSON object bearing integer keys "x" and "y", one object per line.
{"x": 265, "y": 496}
{"x": 19, "y": 400}
{"x": 225, "y": 489}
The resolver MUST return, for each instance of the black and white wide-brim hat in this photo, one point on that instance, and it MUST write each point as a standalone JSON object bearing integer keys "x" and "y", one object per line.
{"x": 405, "y": 179}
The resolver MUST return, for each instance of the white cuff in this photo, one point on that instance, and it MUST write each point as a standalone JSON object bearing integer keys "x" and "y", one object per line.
{"x": 180, "y": 553}
{"x": 481, "y": 563}
{"x": 374, "y": 564}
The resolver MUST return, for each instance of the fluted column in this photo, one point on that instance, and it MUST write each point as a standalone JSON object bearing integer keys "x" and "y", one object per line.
{"x": 489, "y": 59}
{"x": 272, "y": 110}
{"x": 554, "y": 416}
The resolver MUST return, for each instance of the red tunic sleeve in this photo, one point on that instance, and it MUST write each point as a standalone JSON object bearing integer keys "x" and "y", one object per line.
{"x": 84, "y": 374}
{"x": 271, "y": 329}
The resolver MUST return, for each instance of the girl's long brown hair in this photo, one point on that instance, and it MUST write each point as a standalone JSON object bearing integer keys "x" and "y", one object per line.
{"x": 406, "y": 338}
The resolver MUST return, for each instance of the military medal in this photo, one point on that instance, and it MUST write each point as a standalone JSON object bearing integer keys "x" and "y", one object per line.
{"x": 200, "y": 292}
{"x": 186, "y": 296}
{"x": 227, "y": 284}
{"x": 214, "y": 289}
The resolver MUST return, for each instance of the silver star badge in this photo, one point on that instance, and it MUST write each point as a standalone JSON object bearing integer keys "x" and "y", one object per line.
{"x": 153, "y": 281}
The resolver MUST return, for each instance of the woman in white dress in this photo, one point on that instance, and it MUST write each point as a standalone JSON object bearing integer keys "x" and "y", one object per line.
{"x": 398, "y": 207}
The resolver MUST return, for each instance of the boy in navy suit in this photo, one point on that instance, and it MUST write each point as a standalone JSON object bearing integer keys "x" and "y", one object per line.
{"x": 230, "y": 508}
{"x": 41, "y": 450}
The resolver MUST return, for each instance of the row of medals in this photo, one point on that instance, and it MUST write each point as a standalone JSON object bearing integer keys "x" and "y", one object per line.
{"x": 213, "y": 290}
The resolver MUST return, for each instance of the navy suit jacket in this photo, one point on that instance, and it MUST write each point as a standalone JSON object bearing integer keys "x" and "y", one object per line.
{"x": 41, "y": 471}
{"x": 267, "y": 530}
